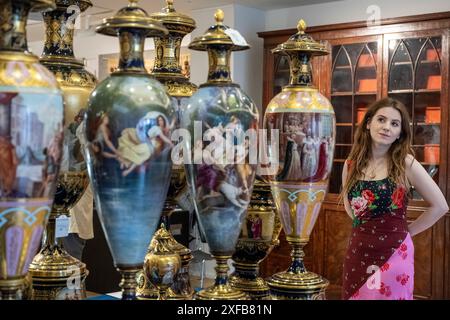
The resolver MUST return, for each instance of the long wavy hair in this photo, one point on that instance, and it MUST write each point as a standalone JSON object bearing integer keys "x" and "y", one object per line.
{"x": 361, "y": 150}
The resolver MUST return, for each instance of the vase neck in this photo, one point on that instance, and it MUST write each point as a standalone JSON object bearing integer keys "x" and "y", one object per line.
{"x": 221, "y": 269}
{"x": 300, "y": 68}
{"x": 58, "y": 34}
{"x": 131, "y": 51}
{"x": 13, "y": 20}
{"x": 297, "y": 254}
{"x": 167, "y": 57}
{"x": 219, "y": 64}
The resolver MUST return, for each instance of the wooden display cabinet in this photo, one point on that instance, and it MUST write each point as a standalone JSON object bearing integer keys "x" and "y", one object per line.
{"x": 405, "y": 58}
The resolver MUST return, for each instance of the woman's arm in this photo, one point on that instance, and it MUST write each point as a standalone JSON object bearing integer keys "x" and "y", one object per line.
{"x": 107, "y": 140}
{"x": 166, "y": 139}
{"x": 348, "y": 209}
{"x": 430, "y": 192}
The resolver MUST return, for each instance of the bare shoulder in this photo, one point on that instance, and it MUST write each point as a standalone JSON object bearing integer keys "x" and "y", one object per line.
{"x": 409, "y": 161}
{"x": 414, "y": 170}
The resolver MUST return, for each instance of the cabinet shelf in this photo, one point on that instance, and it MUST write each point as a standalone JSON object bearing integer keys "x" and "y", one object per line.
{"x": 429, "y": 62}
{"x": 341, "y": 94}
{"x": 414, "y": 91}
{"x": 402, "y": 63}
{"x": 428, "y": 124}
{"x": 428, "y": 91}
{"x": 368, "y": 93}
{"x": 400, "y": 91}
{"x": 407, "y": 63}
{"x": 426, "y": 145}
{"x": 342, "y": 67}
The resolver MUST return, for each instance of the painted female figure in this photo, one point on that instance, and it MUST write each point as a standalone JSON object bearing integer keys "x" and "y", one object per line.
{"x": 292, "y": 169}
{"x": 379, "y": 262}
{"x": 322, "y": 163}
{"x": 8, "y": 166}
{"x": 309, "y": 160}
{"x": 139, "y": 145}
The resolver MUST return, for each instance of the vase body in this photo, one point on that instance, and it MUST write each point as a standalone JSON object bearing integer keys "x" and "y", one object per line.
{"x": 53, "y": 266}
{"x": 221, "y": 192}
{"x": 168, "y": 71}
{"x": 31, "y": 137}
{"x": 306, "y": 123}
{"x": 259, "y": 234}
{"x": 125, "y": 217}
{"x": 220, "y": 128}
{"x": 128, "y": 127}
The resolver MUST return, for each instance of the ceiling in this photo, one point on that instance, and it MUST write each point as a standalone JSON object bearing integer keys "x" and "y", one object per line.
{"x": 188, "y": 5}
{"x": 106, "y": 8}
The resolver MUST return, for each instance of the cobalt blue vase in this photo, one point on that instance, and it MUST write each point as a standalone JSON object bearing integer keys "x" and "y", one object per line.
{"x": 128, "y": 128}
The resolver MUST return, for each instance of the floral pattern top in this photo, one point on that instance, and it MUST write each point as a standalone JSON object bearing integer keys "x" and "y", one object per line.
{"x": 372, "y": 198}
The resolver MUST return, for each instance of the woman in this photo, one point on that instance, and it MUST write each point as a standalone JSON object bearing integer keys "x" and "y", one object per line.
{"x": 323, "y": 162}
{"x": 309, "y": 160}
{"x": 293, "y": 167}
{"x": 379, "y": 263}
{"x": 135, "y": 151}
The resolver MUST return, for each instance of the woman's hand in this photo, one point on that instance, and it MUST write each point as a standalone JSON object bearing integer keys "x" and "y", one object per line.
{"x": 430, "y": 192}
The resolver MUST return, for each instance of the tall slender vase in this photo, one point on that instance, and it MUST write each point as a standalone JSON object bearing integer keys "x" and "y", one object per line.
{"x": 259, "y": 235}
{"x": 53, "y": 268}
{"x": 31, "y": 137}
{"x": 168, "y": 71}
{"x": 128, "y": 129}
{"x": 306, "y": 123}
{"x": 218, "y": 172}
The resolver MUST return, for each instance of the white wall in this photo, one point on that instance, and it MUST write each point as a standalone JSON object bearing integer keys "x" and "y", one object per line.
{"x": 248, "y": 65}
{"x": 349, "y": 11}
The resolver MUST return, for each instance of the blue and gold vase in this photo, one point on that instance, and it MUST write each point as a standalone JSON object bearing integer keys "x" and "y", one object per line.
{"x": 31, "y": 137}
{"x": 168, "y": 71}
{"x": 128, "y": 127}
{"x": 307, "y": 128}
{"x": 54, "y": 266}
{"x": 259, "y": 235}
{"x": 217, "y": 119}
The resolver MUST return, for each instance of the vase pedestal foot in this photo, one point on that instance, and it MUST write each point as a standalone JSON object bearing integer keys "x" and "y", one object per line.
{"x": 128, "y": 283}
{"x": 11, "y": 289}
{"x": 256, "y": 288}
{"x": 297, "y": 286}
{"x": 221, "y": 292}
{"x": 56, "y": 274}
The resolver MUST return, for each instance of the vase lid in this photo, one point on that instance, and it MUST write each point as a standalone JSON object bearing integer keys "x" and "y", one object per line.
{"x": 82, "y": 4}
{"x": 302, "y": 42}
{"x": 219, "y": 34}
{"x": 131, "y": 17}
{"x": 42, "y": 5}
{"x": 170, "y": 18}
{"x": 161, "y": 242}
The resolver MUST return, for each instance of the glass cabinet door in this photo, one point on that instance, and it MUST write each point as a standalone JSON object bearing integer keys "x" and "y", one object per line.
{"x": 354, "y": 85}
{"x": 281, "y": 74}
{"x": 414, "y": 78}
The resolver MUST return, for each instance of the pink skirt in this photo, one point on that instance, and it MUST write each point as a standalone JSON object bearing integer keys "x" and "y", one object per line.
{"x": 394, "y": 280}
